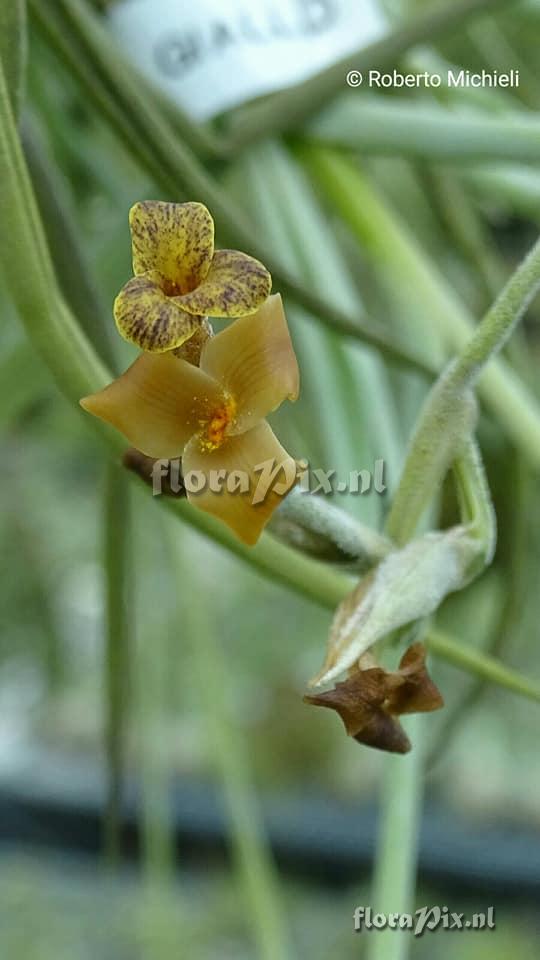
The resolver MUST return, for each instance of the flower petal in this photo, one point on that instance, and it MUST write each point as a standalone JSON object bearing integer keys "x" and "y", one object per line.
{"x": 254, "y": 361}
{"x": 176, "y": 240}
{"x": 147, "y": 317}
{"x": 235, "y": 285}
{"x": 159, "y": 403}
{"x": 243, "y": 454}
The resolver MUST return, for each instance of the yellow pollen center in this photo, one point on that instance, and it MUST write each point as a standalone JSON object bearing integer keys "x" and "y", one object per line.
{"x": 216, "y": 426}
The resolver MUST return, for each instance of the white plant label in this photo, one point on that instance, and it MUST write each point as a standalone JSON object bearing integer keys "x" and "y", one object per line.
{"x": 211, "y": 55}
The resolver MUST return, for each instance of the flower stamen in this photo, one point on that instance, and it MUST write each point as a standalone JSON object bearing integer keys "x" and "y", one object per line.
{"x": 216, "y": 427}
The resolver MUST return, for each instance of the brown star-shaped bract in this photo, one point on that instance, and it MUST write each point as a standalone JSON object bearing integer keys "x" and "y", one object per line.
{"x": 369, "y": 700}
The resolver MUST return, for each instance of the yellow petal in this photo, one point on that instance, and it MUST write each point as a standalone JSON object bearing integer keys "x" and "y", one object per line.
{"x": 243, "y": 453}
{"x": 147, "y": 317}
{"x": 235, "y": 285}
{"x": 176, "y": 240}
{"x": 159, "y": 403}
{"x": 254, "y": 361}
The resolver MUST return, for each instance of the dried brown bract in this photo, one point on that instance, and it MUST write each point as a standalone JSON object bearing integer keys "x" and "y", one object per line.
{"x": 369, "y": 700}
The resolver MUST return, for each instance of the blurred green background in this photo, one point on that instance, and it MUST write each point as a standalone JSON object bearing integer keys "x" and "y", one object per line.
{"x": 216, "y": 659}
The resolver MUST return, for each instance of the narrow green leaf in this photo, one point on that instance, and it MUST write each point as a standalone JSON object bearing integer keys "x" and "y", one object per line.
{"x": 13, "y": 49}
{"x": 386, "y": 126}
{"x": 480, "y": 664}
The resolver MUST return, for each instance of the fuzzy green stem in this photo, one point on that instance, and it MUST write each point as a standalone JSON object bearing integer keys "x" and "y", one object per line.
{"x": 500, "y": 321}
{"x": 443, "y": 420}
{"x": 349, "y": 539}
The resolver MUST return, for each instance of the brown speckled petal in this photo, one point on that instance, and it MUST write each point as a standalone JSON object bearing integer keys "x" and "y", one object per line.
{"x": 176, "y": 240}
{"x": 235, "y": 285}
{"x": 254, "y": 360}
{"x": 148, "y": 318}
{"x": 242, "y": 453}
{"x": 159, "y": 403}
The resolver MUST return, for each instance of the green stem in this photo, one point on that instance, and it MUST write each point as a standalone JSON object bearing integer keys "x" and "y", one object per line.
{"x": 67, "y": 252}
{"x": 116, "y": 527}
{"x": 500, "y": 321}
{"x": 349, "y": 539}
{"x": 515, "y": 569}
{"x": 397, "y": 844}
{"x": 13, "y": 49}
{"x": 275, "y": 561}
{"x": 446, "y": 418}
{"x": 481, "y": 664}
{"x": 27, "y": 266}
{"x": 443, "y": 420}
{"x": 290, "y": 108}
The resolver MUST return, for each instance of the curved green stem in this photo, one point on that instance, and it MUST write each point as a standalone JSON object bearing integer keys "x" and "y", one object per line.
{"x": 498, "y": 324}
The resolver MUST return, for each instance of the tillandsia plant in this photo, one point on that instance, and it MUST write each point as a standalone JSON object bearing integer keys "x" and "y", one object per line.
{"x": 204, "y": 398}
{"x": 309, "y": 205}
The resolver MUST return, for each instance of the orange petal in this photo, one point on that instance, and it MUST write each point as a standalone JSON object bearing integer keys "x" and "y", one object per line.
{"x": 175, "y": 240}
{"x": 159, "y": 403}
{"x": 147, "y": 317}
{"x": 235, "y": 285}
{"x": 241, "y": 454}
{"x": 254, "y": 361}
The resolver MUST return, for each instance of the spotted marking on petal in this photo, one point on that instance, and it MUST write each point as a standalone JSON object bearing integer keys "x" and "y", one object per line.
{"x": 235, "y": 286}
{"x": 176, "y": 240}
{"x": 148, "y": 318}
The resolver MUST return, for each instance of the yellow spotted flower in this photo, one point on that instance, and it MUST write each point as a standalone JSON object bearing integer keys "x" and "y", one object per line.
{"x": 212, "y": 415}
{"x": 180, "y": 279}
